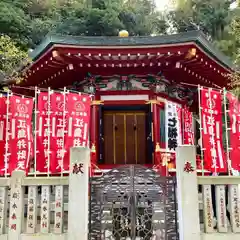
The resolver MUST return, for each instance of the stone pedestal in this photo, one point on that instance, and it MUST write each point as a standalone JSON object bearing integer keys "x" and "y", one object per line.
{"x": 187, "y": 190}
{"x": 78, "y": 193}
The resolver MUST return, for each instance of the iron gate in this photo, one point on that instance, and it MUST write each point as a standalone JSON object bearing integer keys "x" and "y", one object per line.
{"x": 133, "y": 203}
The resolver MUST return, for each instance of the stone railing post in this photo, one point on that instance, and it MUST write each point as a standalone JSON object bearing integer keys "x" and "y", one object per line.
{"x": 16, "y": 206}
{"x": 187, "y": 190}
{"x": 78, "y": 193}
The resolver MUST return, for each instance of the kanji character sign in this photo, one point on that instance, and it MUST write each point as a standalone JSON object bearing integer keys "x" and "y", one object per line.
{"x": 188, "y": 167}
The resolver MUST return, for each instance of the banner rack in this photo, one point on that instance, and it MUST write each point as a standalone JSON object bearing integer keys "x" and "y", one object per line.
{"x": 226, "y": 131}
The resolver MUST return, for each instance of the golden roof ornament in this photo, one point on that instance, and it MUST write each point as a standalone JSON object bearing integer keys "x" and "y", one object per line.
{"x": 123, "y": 33}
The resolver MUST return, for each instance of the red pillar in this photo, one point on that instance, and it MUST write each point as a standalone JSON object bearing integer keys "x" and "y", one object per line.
{"x": 156, "y": 137}
{"x": 156, "y": 126}
{"x": 94, "y": 134}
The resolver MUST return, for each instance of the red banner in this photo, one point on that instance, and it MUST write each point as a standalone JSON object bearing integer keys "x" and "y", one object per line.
{"x": 20, "y": 128}
{"x": 214, "y": 156}
{"x": 59, "y": 162}
{"x": 188, "y": 133}
{"x": 79, "y": 120}
{"x": 234, "y": 115}
{"x": 3, "y": 151}
{"x": 43, "y": 136}
{"x": 58, "y": 132}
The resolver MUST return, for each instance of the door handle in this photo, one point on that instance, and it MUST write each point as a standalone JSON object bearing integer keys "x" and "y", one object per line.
{"x": 116, "y": 127}
{"x": 134, "y": 127}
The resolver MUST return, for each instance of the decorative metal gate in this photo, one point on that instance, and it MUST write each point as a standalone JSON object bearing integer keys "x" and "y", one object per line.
{"x": 133, "y": 203}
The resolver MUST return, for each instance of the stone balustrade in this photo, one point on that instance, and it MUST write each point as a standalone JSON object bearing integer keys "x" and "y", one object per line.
{"x": 196, "y": 208}
{"x": 57, "y": 207}
{"x": 46, "y": 207}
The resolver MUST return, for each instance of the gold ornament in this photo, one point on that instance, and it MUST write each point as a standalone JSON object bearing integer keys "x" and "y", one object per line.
{"x": 123, "y": 33}
{"x": 5, "y": 89}
{"x": 157, "y": 148}
{"x": 166, "y": 158}
{"x": 191, "y": 53}
{"x": 93, "y": 149}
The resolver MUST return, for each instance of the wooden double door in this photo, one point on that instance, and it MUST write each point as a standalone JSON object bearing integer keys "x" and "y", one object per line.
{"x": 125, "y": 137}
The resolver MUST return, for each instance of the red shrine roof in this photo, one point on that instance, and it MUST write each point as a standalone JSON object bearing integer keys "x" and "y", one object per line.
{"x": 187, "y": 57}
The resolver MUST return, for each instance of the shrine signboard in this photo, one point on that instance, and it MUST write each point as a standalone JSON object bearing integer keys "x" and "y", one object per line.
{"x": 173, "y": 126}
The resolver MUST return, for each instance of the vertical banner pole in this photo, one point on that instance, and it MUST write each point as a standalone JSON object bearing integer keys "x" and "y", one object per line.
{"x": 6, "y": 164}
{"x": 35, "y": 131}
{"x": 64, "y": 118}
{"x": 201, "y": 130}
{"x": 49, "y": 130}
{"x": 226, "y": 131}
{"x": 210, "y": 98}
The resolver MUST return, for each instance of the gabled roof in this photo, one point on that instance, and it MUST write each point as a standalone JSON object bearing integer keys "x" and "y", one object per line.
{"x": 185, "y": 57}
{"x": 196, "y": 37}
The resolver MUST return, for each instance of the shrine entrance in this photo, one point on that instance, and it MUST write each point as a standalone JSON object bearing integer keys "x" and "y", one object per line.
{"x": 125, "y": 137}
{"x": 133, "y": 203}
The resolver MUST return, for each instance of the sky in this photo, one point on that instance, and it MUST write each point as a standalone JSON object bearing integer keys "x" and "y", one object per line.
{"x": 161, "y": 4}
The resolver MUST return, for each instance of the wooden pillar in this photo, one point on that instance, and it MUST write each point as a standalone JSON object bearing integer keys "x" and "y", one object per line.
{"x": 78, "y": 193}
{"x": 187, "y": 190}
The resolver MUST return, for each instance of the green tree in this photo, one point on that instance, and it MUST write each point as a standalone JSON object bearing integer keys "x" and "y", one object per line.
{"x": 28, "y": 21}
{"x": 14, "y": 22}
{"x": 212, "y": 17}
{"x": 209, "y": 16}
{"x": 11, "y": 56}
{"x": 108, "y": 17}
{"x": 235, "y": 77}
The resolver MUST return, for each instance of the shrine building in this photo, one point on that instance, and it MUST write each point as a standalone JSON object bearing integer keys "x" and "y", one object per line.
{"x": 131, "y": 80}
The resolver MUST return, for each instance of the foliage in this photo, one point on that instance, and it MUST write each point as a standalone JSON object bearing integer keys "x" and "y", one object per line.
{"x": 209, "y": 16}
{"x": 235, "y": 26}
{"x": 27, "y": 22}
{"x": 213, "y": 17}
{"x": 235, "y": 77}
{"x": 10, "y": 56}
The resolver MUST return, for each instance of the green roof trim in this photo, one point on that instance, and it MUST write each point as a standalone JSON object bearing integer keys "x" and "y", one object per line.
{"x": 193, "y": 36}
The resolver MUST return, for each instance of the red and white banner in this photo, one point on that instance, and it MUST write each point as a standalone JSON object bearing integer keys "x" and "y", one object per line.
{"x": 59, "y": 123}
{"x": 79, "y": 120}
{"x": 234, "y": 115}
{"x": 51, "y": 128}
{"x": 63, "y": 122}
{"x": 20, "y": 129}
{"x": 211, "y": 113}
{"x": 188, "y": 132}
{"x": 3, "y": 131}
{"x": 173, "y": 126}
{"x": 43, "y": 134}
